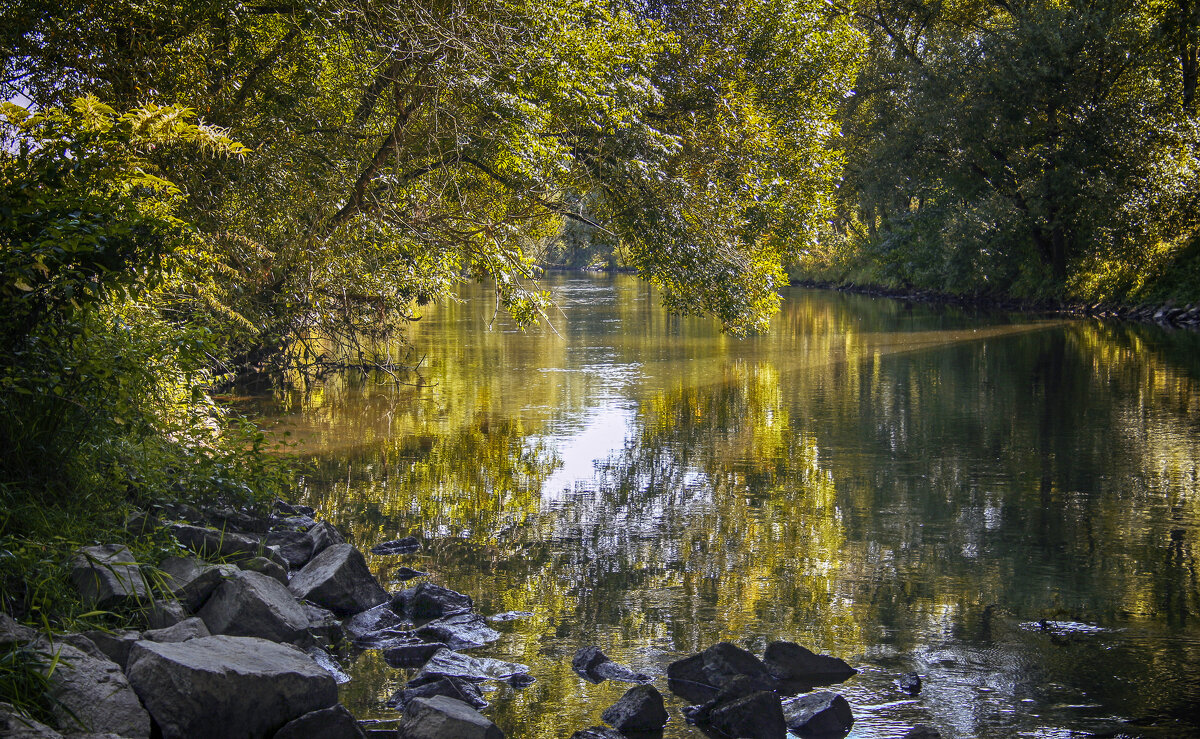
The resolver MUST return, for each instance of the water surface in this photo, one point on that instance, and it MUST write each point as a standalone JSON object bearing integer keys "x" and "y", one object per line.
{"x": 1007, "y": 505}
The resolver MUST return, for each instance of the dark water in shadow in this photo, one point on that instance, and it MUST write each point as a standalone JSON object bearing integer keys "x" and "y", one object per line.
{"x": 909, "y": 488}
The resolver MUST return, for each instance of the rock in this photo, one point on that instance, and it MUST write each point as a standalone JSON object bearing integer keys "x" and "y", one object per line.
{"x": 598, "y": 732}
{"x": 191, "y": 581}
{"x": 334, "y": 722}
{"x": 387, "y": 639}
{"x": 790, "y": 661}
{"x": 295, "y": 547}
{"x": 252, "y": 604}
{"x": 403, "y": 574}
{"x": 323, "y": 627}
{"x": 447, "y": 663}
{"x": 328, "y": 663}
{"x": 440, "y": 717}
{"x": 224, "y": 686}
{"x": 266, "y": 567}
{"x": 755, "y": 716}
{"x": 212, "y": 543}
{"x": 723, "y": 661}
{"x": 289, "y": 509}
{"x": 499, "y": 618}
{"x": 93, "y": 694}
{"x": 594, "y": 665}
{"x": 460, "y": 631}
{"x": 164, "y": 613}
{"x": 686, "y": 678}
{"x": 910, "y": 682}
{"x": 231, "y": 519}
{"x": 338, "y": 579}
{"x": 12, "y": 632}
{"x": 921, "y": 731}
{"x": 140, "y": 523}
{"x": 297, "y": 523}
{"x": 82, "y": 643}
{"x": 114, "y": 644}
{"x": 373, "y": 620}
{"x": 15, "y": 726}
{"x": 192, "y": 628}
{"x": 821, "y": 712}
{"x": 325, "y": 535}
{"x": 107, "y": 576}
{"x": 412, "y": 655}
{"x": 434, "y": 601}
{"x": 640, "y": 709}
{"x": 451, "y": 687}
{"x": 734, "y": 690}
{"x": 407, "y": 545}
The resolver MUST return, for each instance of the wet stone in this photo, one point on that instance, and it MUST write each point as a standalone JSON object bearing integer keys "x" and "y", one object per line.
{"x": 403, "y": 574}
{"x": 447, "y": 663}
{"x": 640, "y": 709}
{"x": 451, "y": 687}
{"x": 499, "y": 618}
{"x": 790, "y": 661}
{"x": 406, "y": 545}
{"x": 910, "y": 682}
{"x": 822, "y": 713}
{"x": 592, "y": 664}
{"x": 411, "y": 655}
{"x": 460, "y": 631}
{"x": 372, "y": 621}
{"x": 755, "y": 716}
{"x": 434, "y": 601}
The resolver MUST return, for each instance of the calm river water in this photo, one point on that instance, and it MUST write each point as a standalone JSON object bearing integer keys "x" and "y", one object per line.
{"x": 910, "y": 488}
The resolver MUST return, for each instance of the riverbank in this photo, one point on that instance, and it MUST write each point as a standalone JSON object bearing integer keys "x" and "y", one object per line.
{"x": 1163, "y": 314}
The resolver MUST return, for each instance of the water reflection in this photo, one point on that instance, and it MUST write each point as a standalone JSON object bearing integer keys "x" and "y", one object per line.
{"x": 906, "y": 487}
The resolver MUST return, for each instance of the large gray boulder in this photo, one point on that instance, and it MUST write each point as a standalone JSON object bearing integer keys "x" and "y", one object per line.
{"x": 252, "y": 604}
{"x": 334, "y": 722}
{"x": 93, "y": 695}
{"x": 439, "y": 717}
{"x": 338, "y": 579}
{"x": 108, "y": 576}
{"x": 227, "y": 686}
{"x": 191, "y": 581}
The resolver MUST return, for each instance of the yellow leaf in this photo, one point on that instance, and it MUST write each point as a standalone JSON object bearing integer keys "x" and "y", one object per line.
{"x": 23, "y": 286}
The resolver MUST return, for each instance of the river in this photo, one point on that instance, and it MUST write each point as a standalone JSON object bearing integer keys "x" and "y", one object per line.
{"x": 1006, "y": 504}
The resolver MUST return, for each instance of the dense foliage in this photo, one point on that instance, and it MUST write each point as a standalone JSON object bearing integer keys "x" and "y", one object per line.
{"x": 1031, "y": 147}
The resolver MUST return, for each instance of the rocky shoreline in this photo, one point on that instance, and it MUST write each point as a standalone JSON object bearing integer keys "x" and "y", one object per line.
{"x": 241, "y": 637}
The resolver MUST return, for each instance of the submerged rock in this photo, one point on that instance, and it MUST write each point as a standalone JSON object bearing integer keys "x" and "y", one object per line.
{"x": 499, "y": 618}
{"x": 594, "y": 665}
{"x": 789, "y": 661}
{"x": 921, "y": 731}
{"x": 439, "y": 717}
{"x": 223, "y": 686}
{"x": 699, "y": 677}
{"x": 403, "y": 574}
{"x": 406, "y": 545}
{"x": 640, "y": 709}
{"x": 910, "y": 682}
{"x": 338, "y": 579}
{"x": 821, "y": 713}
{"x": 598, "y": 732}
{"x": 108, "y": 576}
